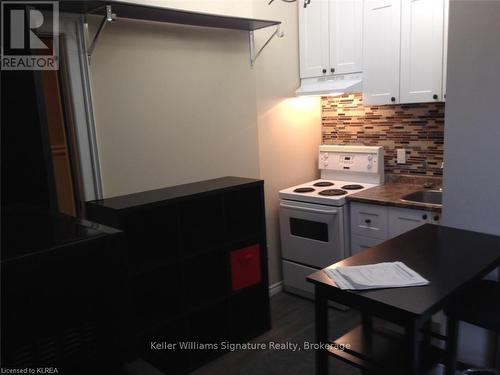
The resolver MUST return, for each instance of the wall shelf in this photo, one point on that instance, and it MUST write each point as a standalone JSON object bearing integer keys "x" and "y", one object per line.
{"x": 160, "y": 14}
{"x": 110, "y": 10}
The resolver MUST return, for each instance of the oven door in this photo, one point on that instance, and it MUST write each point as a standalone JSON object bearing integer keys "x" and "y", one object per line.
{"x": 311, "y": 234}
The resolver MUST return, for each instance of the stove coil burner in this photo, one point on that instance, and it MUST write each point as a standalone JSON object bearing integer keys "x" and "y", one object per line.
{"x": 332, "y": 192}
{"x": 303, "y": 190}
{"x": 323, "y": 183}
{"x": 352, "y": 187}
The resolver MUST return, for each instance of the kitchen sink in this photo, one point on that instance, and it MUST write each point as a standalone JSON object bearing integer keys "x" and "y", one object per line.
{"x": 431, "y": 197}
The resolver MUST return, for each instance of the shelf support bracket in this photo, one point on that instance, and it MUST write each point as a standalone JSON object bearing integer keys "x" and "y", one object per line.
{"x": 251, "y": 39}
{"x": 109, "y": 17}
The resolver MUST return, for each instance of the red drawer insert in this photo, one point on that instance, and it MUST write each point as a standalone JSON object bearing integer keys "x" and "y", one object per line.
{"x": 245, "y": 267}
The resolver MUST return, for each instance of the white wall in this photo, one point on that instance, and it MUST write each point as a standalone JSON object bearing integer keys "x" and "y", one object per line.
{"x": 289, "y": 127}
{"x": 472, "y": 134}
{"x": 173, "y": 104}
{"x": 176, "y": 104}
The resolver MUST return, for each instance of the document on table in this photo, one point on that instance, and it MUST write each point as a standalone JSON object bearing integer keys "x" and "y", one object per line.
{"x": 375, "y": 276}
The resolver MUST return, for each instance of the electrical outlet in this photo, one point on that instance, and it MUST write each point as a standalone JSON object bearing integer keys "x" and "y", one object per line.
{"x": 401, "y": 152}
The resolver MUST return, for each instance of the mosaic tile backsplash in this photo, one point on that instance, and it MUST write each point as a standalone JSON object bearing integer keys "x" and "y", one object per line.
{"x": 419, "y": 128}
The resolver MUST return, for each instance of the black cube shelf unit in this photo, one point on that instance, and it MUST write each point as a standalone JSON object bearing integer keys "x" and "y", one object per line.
{"x": 62, "y": 301}
{"x": 197, "y": 266}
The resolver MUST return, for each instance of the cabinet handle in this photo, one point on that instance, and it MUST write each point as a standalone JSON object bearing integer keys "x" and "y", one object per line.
{"x": 424, "y": 217}
{"x": 332, "y": 70}
{"x": 324, "y": 71}
{"x": 436, "y": 218}
{"x": 393, "y": 99}
{"x": 368, "y": 221}
{"x": 435, "y": 97}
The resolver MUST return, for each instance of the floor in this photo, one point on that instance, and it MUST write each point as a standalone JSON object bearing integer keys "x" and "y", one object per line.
{"x": 292, "y": 323}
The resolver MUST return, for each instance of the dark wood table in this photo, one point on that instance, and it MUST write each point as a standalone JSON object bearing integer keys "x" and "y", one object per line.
{"x": 451, "y": 259}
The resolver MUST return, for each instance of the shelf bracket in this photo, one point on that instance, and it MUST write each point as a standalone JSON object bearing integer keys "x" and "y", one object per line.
{"x": 109, "y": 17}
{"x": 251, "y": 39}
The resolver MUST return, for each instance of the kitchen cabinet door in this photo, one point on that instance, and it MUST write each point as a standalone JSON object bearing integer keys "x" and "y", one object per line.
{"x": 402, "y": 220}
{"x": 445, "y": 44}
{"x": 314, "y": 38}
{"x": 369, "y": 220}
{"x": 381, "y": 51}
{"x": 422, "y": 27}
{"x": 346, "y": 36}
{"x": 360, "y": 243}
{"x": 435, "y": 218}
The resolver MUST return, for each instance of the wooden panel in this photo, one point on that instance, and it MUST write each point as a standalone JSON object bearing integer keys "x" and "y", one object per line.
{"x": 381, "y": 45}
{"x": 360, "y": 243}
{"x": 346, "y": 36}
{"x": 58, "y": 142}
{"x": 369, "y": 220}
{"x": 313, "y": 38}
{"x": 402, "y": 220}
{"x": 445, "y": 45}
{"x": 421, "y": 50}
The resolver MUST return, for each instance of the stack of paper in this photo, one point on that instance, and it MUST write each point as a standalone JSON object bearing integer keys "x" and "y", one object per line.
{"x": 374, "y": 276}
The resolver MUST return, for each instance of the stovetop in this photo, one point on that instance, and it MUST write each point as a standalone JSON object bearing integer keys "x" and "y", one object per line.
{"x": 324, "y": 191}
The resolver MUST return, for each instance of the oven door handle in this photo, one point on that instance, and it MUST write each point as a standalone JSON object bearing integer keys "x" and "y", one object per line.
{"x": 333, "y": 211}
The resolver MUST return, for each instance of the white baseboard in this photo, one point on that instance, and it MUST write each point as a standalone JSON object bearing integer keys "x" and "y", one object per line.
{"x": 275, "y": 288}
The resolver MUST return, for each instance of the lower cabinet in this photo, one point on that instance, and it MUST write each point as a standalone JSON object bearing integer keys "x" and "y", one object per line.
{"x": 373, "y": 224}
{"x": 360, "y": 243}
{"x": 402, "y": 220}
{"x": 369, "y": 220}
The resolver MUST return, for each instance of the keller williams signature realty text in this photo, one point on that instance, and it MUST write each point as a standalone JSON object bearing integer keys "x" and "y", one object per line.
{"x": 230, "y": 346}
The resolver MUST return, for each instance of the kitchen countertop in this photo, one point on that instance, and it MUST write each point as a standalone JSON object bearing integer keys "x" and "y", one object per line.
{"x": 390, "y": 194}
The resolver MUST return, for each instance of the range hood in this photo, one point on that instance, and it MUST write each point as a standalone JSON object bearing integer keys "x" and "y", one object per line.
{"x": 331, "y": 86}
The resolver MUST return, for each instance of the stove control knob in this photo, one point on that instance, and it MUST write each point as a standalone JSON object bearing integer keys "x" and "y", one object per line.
{"x": 369, "y": 166}
{"x": 370, "y": 157}
{"x": 325, "y": 163}
{"x": 325, "y": 156}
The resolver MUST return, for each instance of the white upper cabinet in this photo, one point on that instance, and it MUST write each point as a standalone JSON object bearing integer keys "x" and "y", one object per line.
{"x": 313, "y": 38}
{"x": 330, "y": 37}
{"x": 422, "y": 27}
{"x": 404, "y": 51}
{"x": 381, "y": 51}
{"x": 346, "y": 36}
{"x": 445, "y": 44}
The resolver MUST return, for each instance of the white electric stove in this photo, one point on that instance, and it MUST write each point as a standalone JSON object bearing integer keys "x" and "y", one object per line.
{"x": 324, "y": 191}
{"x": 314, "y": 217}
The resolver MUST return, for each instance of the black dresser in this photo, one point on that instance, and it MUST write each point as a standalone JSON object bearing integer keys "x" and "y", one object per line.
{"x": 197, "y": 267}
{"x": 63, "y": 302}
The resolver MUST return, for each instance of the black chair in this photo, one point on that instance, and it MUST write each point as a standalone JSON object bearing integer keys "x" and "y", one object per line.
{"x": 479, "y": 305}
